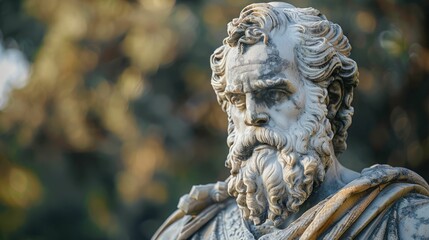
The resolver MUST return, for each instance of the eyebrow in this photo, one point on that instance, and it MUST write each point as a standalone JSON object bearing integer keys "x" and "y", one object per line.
{"x": 284, "y": 83}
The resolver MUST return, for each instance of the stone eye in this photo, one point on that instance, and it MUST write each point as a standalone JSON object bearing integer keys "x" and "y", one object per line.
{"x": 238, "y": 100}
{"x": 276, "y": 94}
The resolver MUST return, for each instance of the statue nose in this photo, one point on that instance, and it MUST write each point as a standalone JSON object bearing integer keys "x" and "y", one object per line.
{"x": 255, "y": 115}
{"x": 257, "y": 119}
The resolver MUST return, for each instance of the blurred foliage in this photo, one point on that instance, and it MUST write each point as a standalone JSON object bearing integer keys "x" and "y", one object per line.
{"x": 118, "y": 118}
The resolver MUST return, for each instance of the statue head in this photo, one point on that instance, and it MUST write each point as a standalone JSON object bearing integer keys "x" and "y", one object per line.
{"x": 284, "y": 77}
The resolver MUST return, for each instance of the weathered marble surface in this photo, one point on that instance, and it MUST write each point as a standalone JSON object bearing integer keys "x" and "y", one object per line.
{"x": 285, "y": 80}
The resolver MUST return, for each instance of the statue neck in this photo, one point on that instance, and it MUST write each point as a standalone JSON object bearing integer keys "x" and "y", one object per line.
{"x": 336, "y": 177}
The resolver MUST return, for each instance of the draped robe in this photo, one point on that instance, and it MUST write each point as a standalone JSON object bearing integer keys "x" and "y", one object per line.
{"x": 383, "y": 203}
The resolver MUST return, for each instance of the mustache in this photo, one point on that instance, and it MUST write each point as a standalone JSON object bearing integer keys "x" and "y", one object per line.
{"x": 253, "y": 138}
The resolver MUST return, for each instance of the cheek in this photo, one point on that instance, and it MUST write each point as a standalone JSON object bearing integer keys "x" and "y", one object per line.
{"x": 237, "y": 117}
{"x": 289, "y": 111}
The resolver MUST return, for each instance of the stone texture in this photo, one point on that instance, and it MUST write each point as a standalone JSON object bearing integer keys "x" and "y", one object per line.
{"x": 285, "y": 80}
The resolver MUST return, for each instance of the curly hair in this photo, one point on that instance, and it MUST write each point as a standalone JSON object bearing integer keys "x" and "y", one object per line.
{"x": 321, "y": 53}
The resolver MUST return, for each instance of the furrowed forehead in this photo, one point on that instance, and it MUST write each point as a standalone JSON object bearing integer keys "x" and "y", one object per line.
{"x": 260, "y": 66}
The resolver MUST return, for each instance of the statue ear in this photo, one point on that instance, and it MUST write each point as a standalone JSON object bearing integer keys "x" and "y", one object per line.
{"x": 335, "y": 97}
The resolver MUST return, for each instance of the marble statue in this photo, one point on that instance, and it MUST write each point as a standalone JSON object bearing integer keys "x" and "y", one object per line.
{"x": 284, "y": 77}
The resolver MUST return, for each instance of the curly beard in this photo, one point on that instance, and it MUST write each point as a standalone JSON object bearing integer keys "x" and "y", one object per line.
{"x": 273, "y": 173}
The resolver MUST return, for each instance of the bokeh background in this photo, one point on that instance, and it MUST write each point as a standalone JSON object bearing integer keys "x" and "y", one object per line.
{"x": 107, "y": 113}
